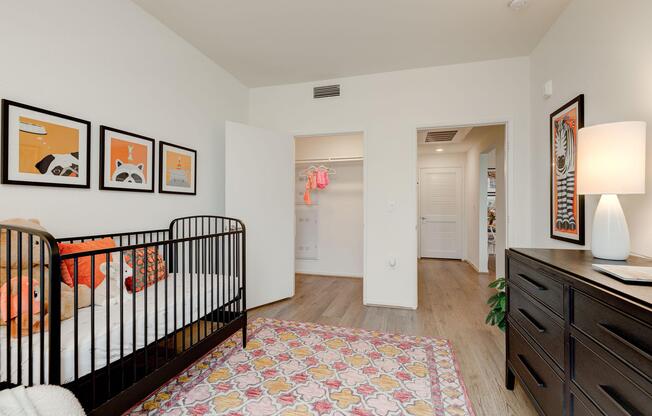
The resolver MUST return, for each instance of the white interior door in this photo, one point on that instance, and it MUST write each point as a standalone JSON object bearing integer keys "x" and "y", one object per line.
{"x": 440, "y": 208}
{"x": 259, "y": 190}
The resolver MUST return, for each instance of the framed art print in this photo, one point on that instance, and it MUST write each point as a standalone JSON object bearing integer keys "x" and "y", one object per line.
{"x": 566, "y": 206}
{"x": 491, "y": 181}
{"x": 177, "y": 169}
{"x": 41, "y": 147}
{"x": 126, "y": 161}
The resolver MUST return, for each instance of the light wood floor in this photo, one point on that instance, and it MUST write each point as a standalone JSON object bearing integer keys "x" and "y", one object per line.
{"x": 451, "y": 305}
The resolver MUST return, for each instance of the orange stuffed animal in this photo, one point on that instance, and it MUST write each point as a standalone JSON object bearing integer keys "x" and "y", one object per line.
{"x": 27, "y": 296}
{"x": 67, "y": 293}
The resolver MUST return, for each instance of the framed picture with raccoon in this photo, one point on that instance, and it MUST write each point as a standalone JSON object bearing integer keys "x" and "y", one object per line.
{"x": 44, "y": 148}
{"x": 177, "y": 169}
{"x": 566, "y": 206}
{"x": 126, "y": 161}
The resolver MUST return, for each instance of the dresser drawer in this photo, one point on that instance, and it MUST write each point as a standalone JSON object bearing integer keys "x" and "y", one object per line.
{"x": 579, "y": 408}
{"x": 537, "y": 281}
{"x": 607, "y": 387}
{"x": 539, "y": 378}
{"x": 539, "y": 324}
{"x": 625, "y": 336}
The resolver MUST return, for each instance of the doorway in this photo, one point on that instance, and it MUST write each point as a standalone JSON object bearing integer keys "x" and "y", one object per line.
{"x": 329, "y": 230}
{"x": 462, "y": 194}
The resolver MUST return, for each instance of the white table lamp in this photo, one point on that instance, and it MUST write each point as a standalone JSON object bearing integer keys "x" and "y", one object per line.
{"x": 611, "y": 161}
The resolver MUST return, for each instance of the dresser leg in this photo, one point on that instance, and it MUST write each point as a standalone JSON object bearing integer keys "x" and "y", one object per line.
{"x": 509, "y": 379}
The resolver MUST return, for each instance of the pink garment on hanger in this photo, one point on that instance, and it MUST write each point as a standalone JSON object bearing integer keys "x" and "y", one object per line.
{"x": 322, "y": 178}
{"x": 311, "y": 183}
{"x": 312, "y": 179}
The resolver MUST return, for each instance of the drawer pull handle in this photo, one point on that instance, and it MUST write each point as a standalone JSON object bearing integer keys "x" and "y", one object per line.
{"x": 532, "y": 373}
{"x": 532, "y": 283}
{"x": 532, "y": 321}
{"x": 625, "y": 341}
{"x": 617, "y": 401}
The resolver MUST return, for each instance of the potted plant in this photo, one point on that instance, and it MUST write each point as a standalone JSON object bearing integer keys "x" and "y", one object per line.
{"x": 497, "y": 304}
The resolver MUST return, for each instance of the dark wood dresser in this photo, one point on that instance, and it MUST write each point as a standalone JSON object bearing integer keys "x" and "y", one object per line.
{"x": 579, "y": 342}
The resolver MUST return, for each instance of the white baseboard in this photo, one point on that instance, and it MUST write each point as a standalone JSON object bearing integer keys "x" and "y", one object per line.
{"x": 475, "y": 267}
{"x": 384, "y": 305}
{"x": 329, "y": 274}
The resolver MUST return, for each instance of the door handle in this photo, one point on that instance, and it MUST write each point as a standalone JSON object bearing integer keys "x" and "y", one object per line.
{"x": 423, "y": 218}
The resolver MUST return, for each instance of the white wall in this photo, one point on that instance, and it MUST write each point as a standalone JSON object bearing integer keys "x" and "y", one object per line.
{"x": 340, "y": 204}
{"x": 485, "y": 139}
{"x": 389, "y": 107}
{"x": 111, "y": 63}
{"x": 600, "y": 48}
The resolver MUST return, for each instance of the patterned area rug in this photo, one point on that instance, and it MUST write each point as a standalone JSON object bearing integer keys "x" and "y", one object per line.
{"x": 302, "y": 369}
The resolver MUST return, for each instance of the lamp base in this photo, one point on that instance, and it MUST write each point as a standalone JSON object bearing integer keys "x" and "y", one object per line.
{"x": 610, "y": 235}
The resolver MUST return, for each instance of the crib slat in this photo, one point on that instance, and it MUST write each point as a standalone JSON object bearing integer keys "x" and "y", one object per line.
{"x": 42, "y": 311}
{"x": 223, "y": 258}
{"x": 76, "y": 313}
{"x": 122, "y": 329}
{"x": 107, "y": 281}
{"x": 156, "y": 306}
{"x": 133, "y": 312}
{"x": 166, "y": 260}
{"x": 19, "y": 321}
{"x": 93, "y": 330}
{"x": 183, "y": 292}
{"x": 8, "y": 315}
{"x": 30, "y": 309}
{"x": 145, "y": 300}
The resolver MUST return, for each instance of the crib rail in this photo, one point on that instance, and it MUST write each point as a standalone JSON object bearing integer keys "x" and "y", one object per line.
{"x": 160, "y": 298}
{"x": 39, "y": 249}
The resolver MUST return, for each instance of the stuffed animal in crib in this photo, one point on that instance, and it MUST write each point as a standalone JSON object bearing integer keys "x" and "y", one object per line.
{"x": 67, "y": 293}
{"x": 114, "y": 280}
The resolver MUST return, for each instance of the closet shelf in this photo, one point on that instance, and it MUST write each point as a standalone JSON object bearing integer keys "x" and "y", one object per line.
{"x": 329, "y": 160}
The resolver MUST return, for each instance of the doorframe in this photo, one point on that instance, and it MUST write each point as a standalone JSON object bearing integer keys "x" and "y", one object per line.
{"x": 506, "y": 120}
{"x": 365, "y": 185}
{"x": 463, "y": 197}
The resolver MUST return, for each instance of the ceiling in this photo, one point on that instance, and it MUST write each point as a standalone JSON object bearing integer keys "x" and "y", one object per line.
{"x": 287, "y": 41}
{"x": 469, "y": 136}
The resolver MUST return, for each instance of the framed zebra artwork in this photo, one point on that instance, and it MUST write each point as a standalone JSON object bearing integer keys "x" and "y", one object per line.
{"x": 566, "y": 206}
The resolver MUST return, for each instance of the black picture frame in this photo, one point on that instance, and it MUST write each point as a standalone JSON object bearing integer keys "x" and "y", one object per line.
{"x": 6, "y": 105}
{"x": 580, "y": 240}
{"x": 161, "y": 173}
{"x": 103, "y": 186}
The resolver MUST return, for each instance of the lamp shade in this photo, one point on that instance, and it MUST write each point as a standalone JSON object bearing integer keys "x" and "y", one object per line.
{"x": 611, "y": 158}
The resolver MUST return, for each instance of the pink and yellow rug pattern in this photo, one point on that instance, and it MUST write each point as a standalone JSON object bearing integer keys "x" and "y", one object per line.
{"x": 305, "y": 369}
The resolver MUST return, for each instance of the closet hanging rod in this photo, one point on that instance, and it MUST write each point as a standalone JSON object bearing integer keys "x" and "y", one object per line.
{"x": 329, "y": 160}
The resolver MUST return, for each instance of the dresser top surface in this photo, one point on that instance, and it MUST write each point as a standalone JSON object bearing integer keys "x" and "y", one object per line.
{"x": 579, "y": 264}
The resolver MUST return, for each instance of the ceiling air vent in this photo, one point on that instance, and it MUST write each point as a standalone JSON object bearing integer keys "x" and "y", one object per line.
{"x": 440, "y": 136}
{"x": 326, "y": 91}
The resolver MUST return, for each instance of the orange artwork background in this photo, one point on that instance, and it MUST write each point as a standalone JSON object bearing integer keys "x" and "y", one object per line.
{"x": 174, "y": 160}
{"x": 571, "y": 115}
{"x": 119, "y": 149}
{"x": 33, "y": 147}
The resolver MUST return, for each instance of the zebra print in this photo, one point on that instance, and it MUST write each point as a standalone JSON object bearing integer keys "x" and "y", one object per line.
{"x": 565, "y": 176}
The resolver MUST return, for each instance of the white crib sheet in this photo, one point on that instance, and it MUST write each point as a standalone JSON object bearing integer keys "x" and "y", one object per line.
{"x": 220, "y": 297}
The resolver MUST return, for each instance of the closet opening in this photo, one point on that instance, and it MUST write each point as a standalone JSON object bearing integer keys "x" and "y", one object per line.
{"x": 329, "y": 203}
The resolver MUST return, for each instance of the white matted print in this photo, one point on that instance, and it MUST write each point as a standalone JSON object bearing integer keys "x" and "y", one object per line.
{"x": 126, "y": 161}
{"x": 177, "y": 169}
{"x": 41, "y": 147}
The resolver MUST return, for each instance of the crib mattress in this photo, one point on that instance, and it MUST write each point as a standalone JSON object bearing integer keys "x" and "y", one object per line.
{"x": 155, "y": 313}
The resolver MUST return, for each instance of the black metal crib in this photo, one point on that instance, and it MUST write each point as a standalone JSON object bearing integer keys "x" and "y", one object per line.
{"x": 114, "y": 353}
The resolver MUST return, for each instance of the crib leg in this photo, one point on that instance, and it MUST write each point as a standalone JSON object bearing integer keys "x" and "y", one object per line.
{"x": 244, "y": 336}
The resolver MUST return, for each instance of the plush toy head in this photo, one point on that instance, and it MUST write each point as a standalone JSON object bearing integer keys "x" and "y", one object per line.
{"x": 26, "y": 297}
{"x": 13, "y": 263}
